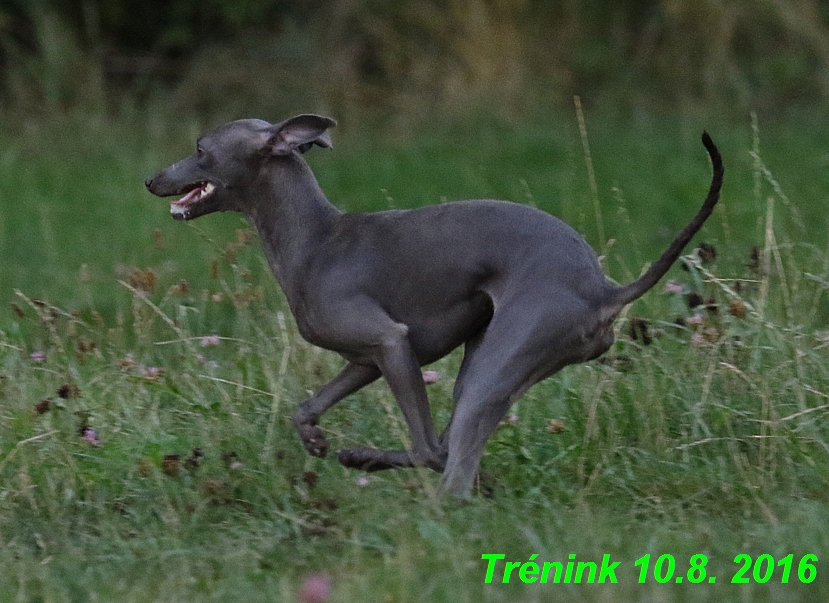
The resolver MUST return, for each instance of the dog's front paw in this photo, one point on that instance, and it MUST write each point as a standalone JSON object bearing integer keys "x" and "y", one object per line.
{"x": 352, "y": 458}
{"x": 365, "y": 459}
{"x": 313, "y": 440}
{"x": 371, "y": 459}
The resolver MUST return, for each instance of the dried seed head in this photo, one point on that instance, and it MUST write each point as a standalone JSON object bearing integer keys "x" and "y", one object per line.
{"x": 127, "y": 361}
{"x": 329, "y": 504}
{"x": 143, "y": 279}
{"x": 192, "y": 462}
{"x": 86, "y": 345}
{"x": 310, "y": 478}
{"x": 170, "y": 464}
{"x": 145, "y": 468}
{"x": 555, "y": 426}
{"x": 69, "y": 390}
{"x": 711, "y": 334}
{"x": 738, "y": 308}
{"x": 707, "y": 253}
{"x": 694, "y": 300}
{"x": 217, "y": 490}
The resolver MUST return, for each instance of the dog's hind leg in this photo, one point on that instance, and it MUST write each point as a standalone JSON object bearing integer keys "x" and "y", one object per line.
{"x": 520, "y": 347}
{"x": 469, "y": 349}
{"x": 482, "y": 404}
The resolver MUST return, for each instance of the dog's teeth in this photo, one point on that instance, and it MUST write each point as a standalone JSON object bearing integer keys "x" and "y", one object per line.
{"x": 206, "y": 190}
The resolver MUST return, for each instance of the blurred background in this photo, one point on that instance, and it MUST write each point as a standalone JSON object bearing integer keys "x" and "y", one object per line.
{"x": 436, "y": 100}
{"x": 400, "y": 63}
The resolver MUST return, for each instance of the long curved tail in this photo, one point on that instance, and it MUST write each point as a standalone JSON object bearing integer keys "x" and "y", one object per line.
{"x": 635, "y": 290}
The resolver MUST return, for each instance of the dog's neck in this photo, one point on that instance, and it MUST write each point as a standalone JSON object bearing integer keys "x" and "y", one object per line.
{"x": 292, "y": 216}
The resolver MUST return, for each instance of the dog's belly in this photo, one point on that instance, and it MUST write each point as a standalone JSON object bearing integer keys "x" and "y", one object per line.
{"x": 433, "y": 335}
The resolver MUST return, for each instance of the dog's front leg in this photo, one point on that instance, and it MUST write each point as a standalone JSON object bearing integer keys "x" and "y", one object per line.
{"x": 305, "y": 419}
{"x": 399, "y": 365}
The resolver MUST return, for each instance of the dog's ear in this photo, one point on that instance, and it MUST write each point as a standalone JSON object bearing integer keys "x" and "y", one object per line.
{"x": 300, "y": 133}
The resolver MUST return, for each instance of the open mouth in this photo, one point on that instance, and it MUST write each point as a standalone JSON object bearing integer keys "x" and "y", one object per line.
{"x": 180, "y": 208}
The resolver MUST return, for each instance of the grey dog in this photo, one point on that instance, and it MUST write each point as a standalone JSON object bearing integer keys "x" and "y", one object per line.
{"x": 392, "y": 291}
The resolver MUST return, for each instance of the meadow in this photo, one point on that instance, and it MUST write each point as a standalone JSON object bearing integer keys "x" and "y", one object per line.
{"x": 148, "y": 370}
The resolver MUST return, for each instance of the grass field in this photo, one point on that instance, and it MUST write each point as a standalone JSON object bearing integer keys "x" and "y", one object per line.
{"x": 148, "y": 369}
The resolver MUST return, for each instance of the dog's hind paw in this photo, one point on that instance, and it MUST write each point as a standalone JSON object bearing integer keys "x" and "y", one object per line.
{"x": 313, "y": 440}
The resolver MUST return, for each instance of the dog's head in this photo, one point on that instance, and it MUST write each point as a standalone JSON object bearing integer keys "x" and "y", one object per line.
{"x": 229, "y": 159}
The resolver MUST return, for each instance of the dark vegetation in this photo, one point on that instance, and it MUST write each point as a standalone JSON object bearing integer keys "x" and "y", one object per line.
{"x": 403, "y": 61}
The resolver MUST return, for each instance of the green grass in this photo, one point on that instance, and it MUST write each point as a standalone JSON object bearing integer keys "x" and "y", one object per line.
{"x": 685, "y": 446}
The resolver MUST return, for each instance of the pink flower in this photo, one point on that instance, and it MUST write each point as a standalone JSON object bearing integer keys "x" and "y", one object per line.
{"x": 316, "y": 589}
{"x": 210, "y": 340}
{"x": 91, "y": 438}
{"x": 152, "y": 373}
{"x": 512, "y": 418}
{"x": 673, "y": 287}
{"x": 362, "y": 480}
{"x": 431, "y": 376}
{"x": 38, "y": 356}
{"x": 696, "y": 319}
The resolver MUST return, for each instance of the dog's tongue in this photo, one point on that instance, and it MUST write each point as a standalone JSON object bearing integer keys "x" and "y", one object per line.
{"x": 197, "y": 194}
{"x": 189, "y": 197}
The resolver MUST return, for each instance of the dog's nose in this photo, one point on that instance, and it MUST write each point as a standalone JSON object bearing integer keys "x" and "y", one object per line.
{"x": 148, "y": 182}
